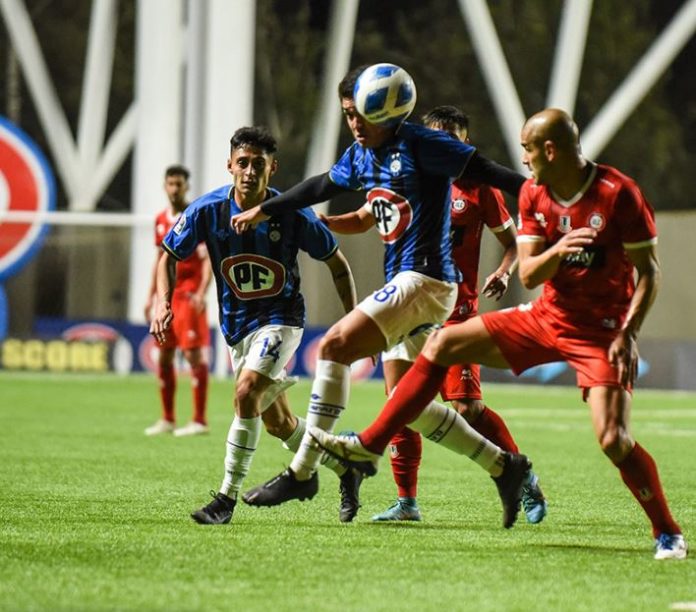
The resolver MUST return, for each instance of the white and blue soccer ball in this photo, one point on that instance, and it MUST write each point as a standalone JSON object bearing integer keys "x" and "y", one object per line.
{"x": 384, "y": 94}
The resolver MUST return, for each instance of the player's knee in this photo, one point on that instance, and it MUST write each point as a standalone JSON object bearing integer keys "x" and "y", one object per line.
{"x": 333, "y": 347}
{"x": 615, "y": 443}
{"x": 194, "y": 357}
{"x": 436, "y": 348}
{"x": 165, "y": 359}
{"x": 469, "y": 409}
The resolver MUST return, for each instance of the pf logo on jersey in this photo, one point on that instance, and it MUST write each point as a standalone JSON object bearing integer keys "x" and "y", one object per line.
{"x": 253, "y": 276}
{"x": 391, "y": 211}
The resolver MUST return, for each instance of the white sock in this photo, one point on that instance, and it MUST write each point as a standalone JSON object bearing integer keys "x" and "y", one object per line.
{"x": 295, "y": 438}
{"x": 293, "y": 444}
{"x": 242, "y": 440}
{"x": 328, "y": 399}
{"x": 448, "y": 428}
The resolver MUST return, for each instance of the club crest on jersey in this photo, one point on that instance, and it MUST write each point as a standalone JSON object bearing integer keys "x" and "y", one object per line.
{"x": 395, "y": 164}
{"x": 459, "y": 205}
{"x": 253, "y": 276}
{"x": 180, "y": 225}
{"x": 392, "y": 213}
{"x": 596, "y": 221}
{"x": 274, "y": 232}
{"x": 564, "y": 225}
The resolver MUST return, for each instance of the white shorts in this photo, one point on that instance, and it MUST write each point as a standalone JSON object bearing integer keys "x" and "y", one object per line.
{"x": 408, "y": 304}
{"x": 410, "y": 347}
{"x": 266, "y": 351}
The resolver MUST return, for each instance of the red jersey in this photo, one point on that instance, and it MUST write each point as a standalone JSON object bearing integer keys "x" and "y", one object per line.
{"x": 189, "y": 272}
{"x": 471, "y": 206}
{"x": 593, "y": 288}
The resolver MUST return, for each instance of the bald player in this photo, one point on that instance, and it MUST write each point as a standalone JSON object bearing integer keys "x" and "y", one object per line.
{"x": 587, "y": 235}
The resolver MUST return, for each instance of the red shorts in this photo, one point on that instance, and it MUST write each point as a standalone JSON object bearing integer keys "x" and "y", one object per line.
{"x": 189, "y": 328}
{"x": 462, "y": 381}
{"x": 530, "y": 335}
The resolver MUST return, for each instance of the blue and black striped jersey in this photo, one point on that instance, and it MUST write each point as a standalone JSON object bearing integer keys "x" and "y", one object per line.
{"x": 256, "y": 273}
{"x": 407, "y": 181}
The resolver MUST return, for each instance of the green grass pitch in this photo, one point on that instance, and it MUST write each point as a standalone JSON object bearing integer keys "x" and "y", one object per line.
{"x": 95, "y": 516}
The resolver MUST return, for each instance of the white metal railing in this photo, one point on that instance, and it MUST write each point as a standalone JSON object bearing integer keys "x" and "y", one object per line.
{"x": 57, "y": 217}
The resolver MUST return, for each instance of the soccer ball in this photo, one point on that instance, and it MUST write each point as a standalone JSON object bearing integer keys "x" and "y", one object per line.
{"x": 384, "y": 94}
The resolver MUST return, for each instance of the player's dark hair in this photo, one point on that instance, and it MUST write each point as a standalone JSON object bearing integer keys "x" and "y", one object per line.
{"x": 177, "y": 170}
{"x": 447, "y": 115}
{"x": 257, "y": 137}
{"x": 347, "y": 84}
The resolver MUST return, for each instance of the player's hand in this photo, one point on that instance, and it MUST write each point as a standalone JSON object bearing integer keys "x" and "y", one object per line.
{"x": 496, "y": 285}
{"x": 198, "y": 302}
{"x": 324, "y": 219}
{"x": 623, "y": 355}
{"x": 248, "y": 219}
{"x": 162, "y": 321}
{"x": 575, "y": 241}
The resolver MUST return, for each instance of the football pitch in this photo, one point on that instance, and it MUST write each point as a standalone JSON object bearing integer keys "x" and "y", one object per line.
{"x": 95, "y": 516}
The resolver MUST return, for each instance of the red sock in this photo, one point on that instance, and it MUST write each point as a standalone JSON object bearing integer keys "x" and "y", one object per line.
{"x": 415, "y": 391}
{"x": 406, "y": 449}
{"x": 639, "y": 472}
{"x": 199, "y": 383}
{"x": 491, "y": 425}
{"x": 167, "y": 381}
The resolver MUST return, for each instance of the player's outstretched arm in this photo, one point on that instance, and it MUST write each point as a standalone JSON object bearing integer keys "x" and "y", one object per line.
{"x": 483, "y": 170}
{"x": 355, "y": 222}
{"x": 311, "y": 191}
{"x": 343, "y": 280}
{"x": 166, "y": 280}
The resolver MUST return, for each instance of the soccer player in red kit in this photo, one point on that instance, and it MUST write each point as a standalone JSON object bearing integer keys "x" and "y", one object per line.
{"x": 473, "y": 206}
{"x": 585, "y": 232}
{"x": 189, "y": 331}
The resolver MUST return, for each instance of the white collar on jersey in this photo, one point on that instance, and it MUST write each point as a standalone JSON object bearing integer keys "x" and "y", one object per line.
{"x": 579, "y": 194}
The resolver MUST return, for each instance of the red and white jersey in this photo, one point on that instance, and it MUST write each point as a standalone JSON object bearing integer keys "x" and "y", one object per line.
{"x": 189, "y": 272}
{"x": 473, "y": 205}
{"x": 593, "y": 288}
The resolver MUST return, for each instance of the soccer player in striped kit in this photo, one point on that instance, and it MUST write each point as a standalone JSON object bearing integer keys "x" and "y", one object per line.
{"x": 472, "y": 207}
{"x": 261, "y": 309}
{"x": 406, "y": 173}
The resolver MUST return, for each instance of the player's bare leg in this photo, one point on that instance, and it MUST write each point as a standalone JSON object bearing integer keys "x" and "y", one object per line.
{"x": 282, "y": 423}
{"x": 353, "y": 337}
{"x": 610, "y": 409}
{"x": 242, "y": 440}
{"x": 411, "y": 404}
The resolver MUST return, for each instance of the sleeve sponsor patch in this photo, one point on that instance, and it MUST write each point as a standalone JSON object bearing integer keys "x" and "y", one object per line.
{"x": 180, "y": 225}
